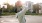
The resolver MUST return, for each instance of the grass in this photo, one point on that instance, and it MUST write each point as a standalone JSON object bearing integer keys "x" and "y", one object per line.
{"x": 13, "y": 13}
{"x": 7, "y": 13}
{"x": 33, "y": 14}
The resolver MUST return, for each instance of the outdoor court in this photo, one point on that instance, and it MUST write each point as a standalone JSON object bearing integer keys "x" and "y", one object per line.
{"x": 13, "y": 19}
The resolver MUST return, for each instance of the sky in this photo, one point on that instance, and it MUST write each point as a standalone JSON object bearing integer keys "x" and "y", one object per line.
{"x": 13, "y": 1}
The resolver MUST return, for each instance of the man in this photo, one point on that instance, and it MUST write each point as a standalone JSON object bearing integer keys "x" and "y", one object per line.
{"x": 21, "y": 15}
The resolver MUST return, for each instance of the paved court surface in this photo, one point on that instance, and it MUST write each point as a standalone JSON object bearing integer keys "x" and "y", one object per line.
{"x": 13, "y": 19}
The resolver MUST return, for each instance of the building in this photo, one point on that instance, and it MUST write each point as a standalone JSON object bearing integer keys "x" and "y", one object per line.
{"x": 29, "y": 4}
{"x": 40, "y": 11}
{"x": 5, "y": 6}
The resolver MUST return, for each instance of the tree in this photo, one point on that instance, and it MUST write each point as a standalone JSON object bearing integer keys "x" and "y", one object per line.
{"x": 9, "y": 7}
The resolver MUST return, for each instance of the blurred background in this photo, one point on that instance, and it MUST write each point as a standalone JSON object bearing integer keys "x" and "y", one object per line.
{"x": 11, "y": 7}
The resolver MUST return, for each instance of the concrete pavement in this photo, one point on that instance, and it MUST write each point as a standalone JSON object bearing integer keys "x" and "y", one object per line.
{"x": 13, "y": 19}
